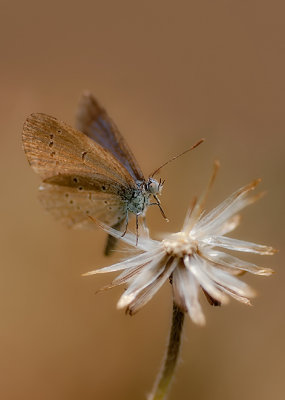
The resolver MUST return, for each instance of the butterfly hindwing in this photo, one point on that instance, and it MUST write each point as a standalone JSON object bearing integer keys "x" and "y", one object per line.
{"x": 94, "y": 121}
{"x": 74, "y": 208}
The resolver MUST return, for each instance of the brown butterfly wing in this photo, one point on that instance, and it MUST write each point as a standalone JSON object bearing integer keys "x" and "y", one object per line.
{"x": 80, "y": 177}
{"x": 94, "y": 121}
{"x": 74, "y": 208}
{"x": 55, "y": 149}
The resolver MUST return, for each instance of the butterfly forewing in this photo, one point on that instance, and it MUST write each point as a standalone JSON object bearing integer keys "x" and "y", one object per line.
{"x": 54, "y": 148}
{"x": 81, "y": 179}
{"x": 94, "y": 121}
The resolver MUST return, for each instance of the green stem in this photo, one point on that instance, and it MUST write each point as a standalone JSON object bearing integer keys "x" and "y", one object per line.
{"x": 161, "y": 386}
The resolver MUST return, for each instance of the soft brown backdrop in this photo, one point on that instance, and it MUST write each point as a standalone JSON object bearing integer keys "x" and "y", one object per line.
{"x": 169, "y": 73}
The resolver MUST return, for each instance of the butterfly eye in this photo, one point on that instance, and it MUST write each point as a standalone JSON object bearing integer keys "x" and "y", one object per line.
{"x": 153, "y": 186}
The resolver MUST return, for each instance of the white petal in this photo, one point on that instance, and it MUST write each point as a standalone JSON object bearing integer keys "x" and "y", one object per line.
{"x": 211, "y": 223}
{"x": 234, "y": 263}
{"x": 178, "y": 292}
{"x": 238, "y": 245}
{"x": 144, "y": 243}
{"x": 237, "y": 297}
{"x": 227, "y": 281}
{"x": 188, "y": 288}
{"x": 198, "y": 206}
{"x": 129, "y": 274}
{"x": 229, "y": 225}
{"x": 147, "y": 275}
{"x": 126, "y": 276}
{"x": 187, "y": 220}
{"x": 128, "y": 263}
{"x": 145, "y": 295}
{"x": 197, "y": 266}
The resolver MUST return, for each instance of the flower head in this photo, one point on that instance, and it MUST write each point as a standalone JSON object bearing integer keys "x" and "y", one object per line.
{"x": 190, "y": 259}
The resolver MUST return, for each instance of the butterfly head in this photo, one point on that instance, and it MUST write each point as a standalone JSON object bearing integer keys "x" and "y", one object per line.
{"x": 153, "y": 186}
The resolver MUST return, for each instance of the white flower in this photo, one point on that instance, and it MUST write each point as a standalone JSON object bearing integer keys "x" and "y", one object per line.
{"x": 190, "y": 259}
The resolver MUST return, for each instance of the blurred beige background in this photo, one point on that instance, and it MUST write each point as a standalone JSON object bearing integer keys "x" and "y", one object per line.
{"x": 168, "y": 73}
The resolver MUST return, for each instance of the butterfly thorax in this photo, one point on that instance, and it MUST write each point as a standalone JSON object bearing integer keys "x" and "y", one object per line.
{"x": 140, "y": 197}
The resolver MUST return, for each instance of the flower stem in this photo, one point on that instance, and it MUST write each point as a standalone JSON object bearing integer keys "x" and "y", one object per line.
{"x": 162, "y": 383}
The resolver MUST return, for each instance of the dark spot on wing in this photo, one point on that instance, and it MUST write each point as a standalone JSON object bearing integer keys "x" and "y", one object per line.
{"x": 52, "y": 153}
{"x": 50, "y": 143}
{"x": 83, "y": 155}
{"x": 51, "y": 137}
{"x": 59, "y": 131}
{"x": 103, "y": 187}
{"x": 71, "y": 201}
{"x": 80, "y": 188}
{"x": 75, "y": 180}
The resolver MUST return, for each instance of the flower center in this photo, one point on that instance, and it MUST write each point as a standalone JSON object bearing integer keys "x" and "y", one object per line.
{"x": 180, "y": 244}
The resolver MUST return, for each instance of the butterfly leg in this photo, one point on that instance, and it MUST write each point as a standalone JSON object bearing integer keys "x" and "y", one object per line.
{"x": 158, "y": 204}
{"x": 127, "y": 222}
{"x": 137, "y": 229}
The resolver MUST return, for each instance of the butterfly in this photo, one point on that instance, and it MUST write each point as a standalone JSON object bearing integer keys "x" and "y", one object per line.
{"x": 90, "y": 172}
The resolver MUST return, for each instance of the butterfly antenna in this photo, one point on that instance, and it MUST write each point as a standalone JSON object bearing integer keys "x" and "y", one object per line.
{"x": 179, "y": 155}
